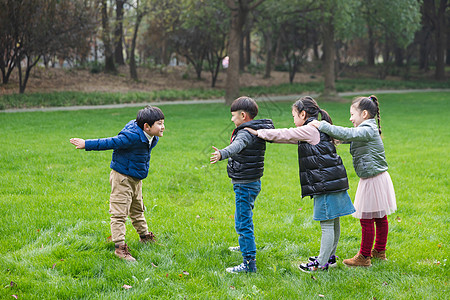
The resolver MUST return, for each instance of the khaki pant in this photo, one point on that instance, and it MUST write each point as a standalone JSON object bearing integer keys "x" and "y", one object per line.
{"x": 126, "y": 200}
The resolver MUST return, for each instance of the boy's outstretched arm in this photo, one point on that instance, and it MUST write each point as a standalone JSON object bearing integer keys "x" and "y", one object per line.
{"x": 215, "y": 156}
{"x": 79, "y": 143}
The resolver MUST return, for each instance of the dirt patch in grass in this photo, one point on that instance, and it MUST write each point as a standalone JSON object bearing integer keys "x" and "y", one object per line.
{"x": 57, "y": 79}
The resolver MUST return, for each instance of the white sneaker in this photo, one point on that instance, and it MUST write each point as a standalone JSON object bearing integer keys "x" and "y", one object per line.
{"x": 235, "y": 249}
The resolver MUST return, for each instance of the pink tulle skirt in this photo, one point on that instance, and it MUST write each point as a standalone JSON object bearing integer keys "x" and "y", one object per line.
{"x": 375, "y": 197}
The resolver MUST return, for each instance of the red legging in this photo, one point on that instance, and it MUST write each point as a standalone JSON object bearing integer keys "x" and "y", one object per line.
{"x": 368, "y": 235}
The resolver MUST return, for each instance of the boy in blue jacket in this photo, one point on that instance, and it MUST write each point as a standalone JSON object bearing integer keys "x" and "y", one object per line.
{"x": 130, "y": 163}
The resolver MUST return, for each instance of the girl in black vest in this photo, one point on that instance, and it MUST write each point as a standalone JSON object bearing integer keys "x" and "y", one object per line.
{"x": 322, "y": 176}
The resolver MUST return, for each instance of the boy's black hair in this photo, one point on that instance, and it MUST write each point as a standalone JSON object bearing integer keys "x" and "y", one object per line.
{"x": 246, "y": 104}
{"x": 149, "y": 115}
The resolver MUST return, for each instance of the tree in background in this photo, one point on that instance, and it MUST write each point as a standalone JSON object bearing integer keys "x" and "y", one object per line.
{"x": 393, "y": 25}
{"x": 141, "y": 9}
{"x": 110, "y": 67}
{"x": 40, "y": 28}
{"x": 239, "y": 11}
{"x": 201, "y": 35}
{"x": 118, "y": 33}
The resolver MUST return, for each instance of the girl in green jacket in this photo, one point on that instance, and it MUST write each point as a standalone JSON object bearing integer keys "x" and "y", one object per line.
{"x": 375, "y": 196}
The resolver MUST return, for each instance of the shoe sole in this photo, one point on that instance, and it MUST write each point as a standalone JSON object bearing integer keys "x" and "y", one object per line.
{"x": 304, "y": 271}
{"x": 357, "y": 265}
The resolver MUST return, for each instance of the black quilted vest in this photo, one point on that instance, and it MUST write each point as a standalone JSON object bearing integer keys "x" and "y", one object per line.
{"x": 248, "y": 165}
{"x": 321, "y": 169}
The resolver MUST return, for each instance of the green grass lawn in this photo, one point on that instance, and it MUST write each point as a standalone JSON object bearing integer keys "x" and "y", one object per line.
{"x": 55, "y": 223}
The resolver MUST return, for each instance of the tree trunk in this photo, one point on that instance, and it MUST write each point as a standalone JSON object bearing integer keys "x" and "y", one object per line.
{"x": 109, "y": 59}
{"x": 241, "y": 54}
{"x": 268, "y": 38}
{"x": 248, "y": 50}
{"x": 133, "y": 67}
{"x": 23, "y": 80}
{"x": 232, "y": 81}
{"x": 399, "y": 56}
{"x": 329, "y": 60}
{"x": 278, "y": 51}
{"x": 448, "y": 42}
{"x": 118, "y": 33}
{"x": 440, "y": 31}
{"x": 371, "y": 48}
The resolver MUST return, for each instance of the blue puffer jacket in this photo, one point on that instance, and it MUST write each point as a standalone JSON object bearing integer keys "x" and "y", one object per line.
{"x": 132, "y": 151}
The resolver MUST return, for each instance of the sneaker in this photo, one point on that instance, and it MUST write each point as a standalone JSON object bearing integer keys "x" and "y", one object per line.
{"x": 332, "y": 261}
{"x": 312, "y": 266}
{"x": 122, "y": 251}
{"x": 358, "y": 261}
{"x": 148, "y": 237}
{"x": 248, "y": 266}
{"x": 379, "y": 254}
{"x": 235, "y": 249}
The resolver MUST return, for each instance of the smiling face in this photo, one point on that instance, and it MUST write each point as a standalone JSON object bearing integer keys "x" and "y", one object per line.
{"x": 357, "y": 116}
{"x": 157, "y": 129}
{"x": 299, "y": 118}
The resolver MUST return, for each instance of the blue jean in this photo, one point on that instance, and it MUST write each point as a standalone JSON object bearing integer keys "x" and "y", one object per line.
{"x": 246, "y": 194}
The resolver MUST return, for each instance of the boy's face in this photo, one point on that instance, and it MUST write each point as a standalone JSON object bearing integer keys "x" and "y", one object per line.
{"x": 157, "y": 129}
{"x": 238, "y": 117}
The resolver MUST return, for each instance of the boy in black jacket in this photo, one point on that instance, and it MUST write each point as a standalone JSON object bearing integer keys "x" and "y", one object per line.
{"x": 245, "y": 168}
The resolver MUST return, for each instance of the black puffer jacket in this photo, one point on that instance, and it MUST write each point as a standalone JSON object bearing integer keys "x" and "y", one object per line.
{"x": 321, "y": 169}
{"x": 248, "y": 164}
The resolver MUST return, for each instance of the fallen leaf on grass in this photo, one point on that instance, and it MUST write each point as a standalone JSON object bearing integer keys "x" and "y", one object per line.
{"x": 167, "y": 275}
{"x": 313, "y": 278}
{"x": 385, "y": 283}
{"x": 186, "y": 273}
{"x": 54, "y": 265}
{"x": 300, "y": 208}
{"x": 155, "y": 266}
{"x": 109, "y": 239}
{"x": 321, "y": 296}
{"x": 232, "y": 287}
{"x": 12, "y": 283}
{"x": 15, "y": 296}
{"x": 198, "y": 217}
{"x": 398, "y": 219}
{"x": 127, "y": 287}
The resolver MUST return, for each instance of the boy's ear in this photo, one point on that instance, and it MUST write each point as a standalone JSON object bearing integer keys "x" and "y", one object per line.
{"x": 146, "y": 126}
{"x": 245, "y": 115}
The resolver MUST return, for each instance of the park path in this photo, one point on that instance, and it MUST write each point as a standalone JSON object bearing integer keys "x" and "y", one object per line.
{"x": 220, "y": 100}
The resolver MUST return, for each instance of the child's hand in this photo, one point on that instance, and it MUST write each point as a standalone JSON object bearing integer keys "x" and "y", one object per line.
{"x": 79, "y": 143}
{"x": 252, "y": 131}
{"x": 314, "y": 123}
{"x": 215, "y": 156}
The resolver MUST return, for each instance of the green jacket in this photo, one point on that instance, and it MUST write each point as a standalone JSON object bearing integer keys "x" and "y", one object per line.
{"x": 366, "y": 146}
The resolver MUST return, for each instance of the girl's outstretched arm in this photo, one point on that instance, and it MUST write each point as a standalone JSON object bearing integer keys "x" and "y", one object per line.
{"x": 347, "y": 134}
{"x": 289, "y": 135}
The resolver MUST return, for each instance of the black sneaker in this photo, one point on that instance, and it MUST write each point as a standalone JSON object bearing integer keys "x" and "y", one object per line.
{"x": 312, "y": 266}
{"x": 332, "y": 261}
{"x": 248, "y": 266}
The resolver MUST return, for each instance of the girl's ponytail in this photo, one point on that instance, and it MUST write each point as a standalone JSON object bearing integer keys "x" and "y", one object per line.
{"x": 325, "y": 116}
{"x": 377, "y": 115}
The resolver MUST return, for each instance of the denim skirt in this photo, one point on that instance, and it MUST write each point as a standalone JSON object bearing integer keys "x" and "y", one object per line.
{"x": 331, "y": 206}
